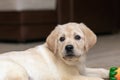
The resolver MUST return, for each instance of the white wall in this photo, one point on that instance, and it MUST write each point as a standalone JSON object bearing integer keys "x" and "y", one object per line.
{"x": 8, "y": 5}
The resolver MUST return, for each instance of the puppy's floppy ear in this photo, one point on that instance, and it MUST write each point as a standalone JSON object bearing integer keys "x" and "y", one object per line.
{"x": 90, "y": 37}
{"x": 52, "y": 40}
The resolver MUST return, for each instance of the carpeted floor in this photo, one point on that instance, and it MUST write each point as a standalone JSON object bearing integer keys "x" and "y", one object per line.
{"x": 105, "y": 53}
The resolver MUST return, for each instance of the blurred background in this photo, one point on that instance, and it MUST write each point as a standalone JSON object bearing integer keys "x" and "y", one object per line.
{"x": 27, "y": 23}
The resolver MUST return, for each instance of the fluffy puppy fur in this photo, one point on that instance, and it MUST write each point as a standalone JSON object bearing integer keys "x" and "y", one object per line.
{"x": 61, "y": 57}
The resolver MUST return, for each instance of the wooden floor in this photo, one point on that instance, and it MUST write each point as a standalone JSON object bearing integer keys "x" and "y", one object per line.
{"x": 106, "y": 52}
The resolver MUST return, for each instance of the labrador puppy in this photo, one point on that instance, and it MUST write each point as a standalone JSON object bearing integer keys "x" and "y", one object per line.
{"x": 61, "y": 57}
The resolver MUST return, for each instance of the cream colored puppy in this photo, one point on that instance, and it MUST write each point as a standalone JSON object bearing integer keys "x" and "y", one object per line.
{"x": 62, "y": 57}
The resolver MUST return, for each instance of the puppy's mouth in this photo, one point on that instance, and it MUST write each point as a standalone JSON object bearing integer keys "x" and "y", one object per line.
{"x": 70, "y": 56}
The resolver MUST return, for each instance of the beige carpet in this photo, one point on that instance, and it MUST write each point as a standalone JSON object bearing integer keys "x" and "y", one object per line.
{"x": 104, "y": 54}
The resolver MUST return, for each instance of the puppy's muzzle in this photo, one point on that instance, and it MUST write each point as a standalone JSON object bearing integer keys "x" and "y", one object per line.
{"x": 69, "y": 50}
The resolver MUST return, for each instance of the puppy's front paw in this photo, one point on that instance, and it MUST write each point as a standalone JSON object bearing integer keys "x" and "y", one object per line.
{"x": 99, "y": 79}
{"x": 104, "y": 73}
{"x": 95, "y": 78}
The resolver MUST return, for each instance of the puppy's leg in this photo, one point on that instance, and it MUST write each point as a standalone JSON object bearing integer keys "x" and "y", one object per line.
{"x": 97, "y": 72}
{"x": 87, "y": 78}
{"x": 12, "y": 71}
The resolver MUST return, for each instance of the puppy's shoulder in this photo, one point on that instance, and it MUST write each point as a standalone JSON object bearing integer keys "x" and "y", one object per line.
{"x": 43, "y": 49}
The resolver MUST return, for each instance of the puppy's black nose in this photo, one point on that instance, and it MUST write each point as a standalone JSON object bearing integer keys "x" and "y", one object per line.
{"x": 69, "y": 48}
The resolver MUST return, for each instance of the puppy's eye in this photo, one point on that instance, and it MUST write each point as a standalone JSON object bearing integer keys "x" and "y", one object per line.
{"x": 77, "y": 37}
{"x": 62, "y": 39}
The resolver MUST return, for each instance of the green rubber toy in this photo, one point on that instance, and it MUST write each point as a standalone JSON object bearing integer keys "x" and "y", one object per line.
{"x": 114, "y": 73}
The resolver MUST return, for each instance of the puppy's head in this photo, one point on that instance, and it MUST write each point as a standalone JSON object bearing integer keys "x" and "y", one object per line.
{"x": 71, "y": 41}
